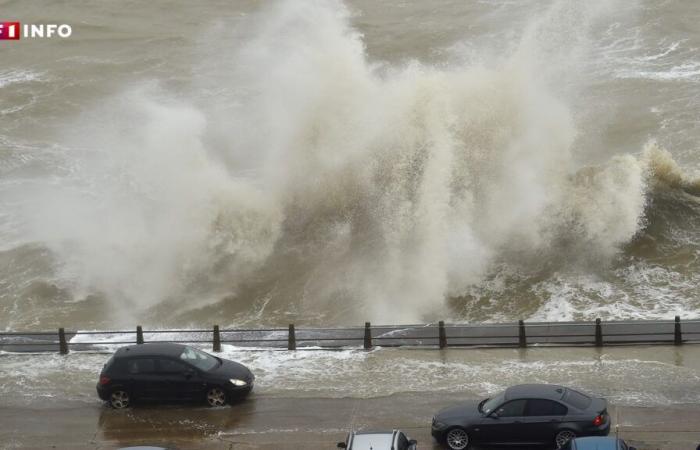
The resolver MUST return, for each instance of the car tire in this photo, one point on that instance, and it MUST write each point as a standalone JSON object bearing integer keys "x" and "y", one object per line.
{"x": 562, "y": 437}
{"x": 216, "y": 396}
{"x": 119, "y": 399}
{"x": 457, "y": 438}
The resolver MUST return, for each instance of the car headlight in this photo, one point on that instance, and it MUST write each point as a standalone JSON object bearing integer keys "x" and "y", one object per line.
{"x": 438, "y": 425}
{"x": 237, "y": 382}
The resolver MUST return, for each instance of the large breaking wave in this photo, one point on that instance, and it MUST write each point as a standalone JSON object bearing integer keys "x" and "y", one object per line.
{"x": 302, "y": 180}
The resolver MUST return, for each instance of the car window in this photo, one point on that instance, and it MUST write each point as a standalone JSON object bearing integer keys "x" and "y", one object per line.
{"x": 401, "y": 442}
{"x": 577, "y": 399}
{"x": 170, "y": 366}
{"x": 541, "y": 407}
{"x": 623, "y": 445}
{"x": 512, "y": 409}
{"x": 200, "y": 359}
{"x": 141, "y": 365}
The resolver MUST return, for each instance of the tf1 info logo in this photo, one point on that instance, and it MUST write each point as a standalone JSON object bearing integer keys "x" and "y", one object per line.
{"x": 12, "y": 31}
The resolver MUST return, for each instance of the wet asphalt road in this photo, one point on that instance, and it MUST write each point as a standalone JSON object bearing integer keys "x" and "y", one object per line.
{"x": 268, "y": 422}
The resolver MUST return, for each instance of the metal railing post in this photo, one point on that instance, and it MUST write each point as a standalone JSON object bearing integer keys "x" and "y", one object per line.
{"x": 522, "y": 338}
{"x": 442, "y": 334}
{"x": 291, "y": 338}
{"x": 217, "y": 339}
{"x": 677, "y": 335}
{"x": 598, "y": 333}
{"x": 62, "y": 343}
{"x": 368, "y": 336}
{"x": 139, "y": 335}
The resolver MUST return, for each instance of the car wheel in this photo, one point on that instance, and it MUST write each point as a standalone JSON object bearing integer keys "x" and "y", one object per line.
{"x": 563, "y": 437}
{"x": 119, "y": 399}
{"x": 216, "y": 396}
{"x": 457, "y": 439}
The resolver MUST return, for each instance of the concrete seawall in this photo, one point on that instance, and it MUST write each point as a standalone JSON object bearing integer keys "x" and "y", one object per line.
{"x": 437, "y": 335}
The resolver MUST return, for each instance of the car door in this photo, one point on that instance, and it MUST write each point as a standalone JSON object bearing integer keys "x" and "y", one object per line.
{"x": 543, "y": 418}
{"x": 505, "y": 424}
{"x": 143, "y": 379}
{"x": 177, "y": 378}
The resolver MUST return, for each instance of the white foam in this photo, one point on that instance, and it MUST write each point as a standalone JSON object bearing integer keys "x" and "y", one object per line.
{"x": 671, "y": 48}
{"x": 688, "y": 71}
{"x": 639, "y": 291}
{"x": 10, "y": 77}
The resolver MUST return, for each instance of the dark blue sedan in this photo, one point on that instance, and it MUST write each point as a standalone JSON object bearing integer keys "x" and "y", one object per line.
{"x": 597, "y": 443}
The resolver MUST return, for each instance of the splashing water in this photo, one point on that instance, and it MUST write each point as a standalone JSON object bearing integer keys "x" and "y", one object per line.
{"x": 306, "y": 180}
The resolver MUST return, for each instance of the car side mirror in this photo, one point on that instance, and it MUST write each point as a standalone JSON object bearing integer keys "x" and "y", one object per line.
{"x": 631, "y": 448}
{"x": 189, "y": 373}
{"x": 412, "y": 443}
{"x": 342, "y": 445}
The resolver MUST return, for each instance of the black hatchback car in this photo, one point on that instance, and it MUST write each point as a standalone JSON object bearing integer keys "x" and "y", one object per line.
{"x": 529, "y": 414}
{"x": 171, "y": 372}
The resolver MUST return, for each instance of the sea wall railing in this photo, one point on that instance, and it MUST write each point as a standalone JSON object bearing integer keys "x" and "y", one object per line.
{"x": 435, "y": 335}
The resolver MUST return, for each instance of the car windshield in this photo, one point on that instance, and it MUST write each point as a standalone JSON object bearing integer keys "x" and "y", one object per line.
{"x": 492, "y": 403}
{"x": 198, "y": 358}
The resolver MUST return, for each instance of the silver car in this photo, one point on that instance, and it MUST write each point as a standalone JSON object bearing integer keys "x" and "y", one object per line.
{"x": 378, "y": 440}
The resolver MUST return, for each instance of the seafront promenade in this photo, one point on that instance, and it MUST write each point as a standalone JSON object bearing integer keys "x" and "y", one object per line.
{"x": 271, "y": 422}
{"x": 49, "y": 399}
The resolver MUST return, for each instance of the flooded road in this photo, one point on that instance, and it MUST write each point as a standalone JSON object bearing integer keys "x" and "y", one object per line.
{"x": 310, "y": 399}
{"x": 634, "y": 376}
{"x": 289, "y": 423}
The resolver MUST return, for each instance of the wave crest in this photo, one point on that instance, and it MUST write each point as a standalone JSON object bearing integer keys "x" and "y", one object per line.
{"x": 318, "y": 184}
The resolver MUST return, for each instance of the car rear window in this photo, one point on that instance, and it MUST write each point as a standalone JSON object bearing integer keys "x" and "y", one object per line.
{"x": 577, "y": 399}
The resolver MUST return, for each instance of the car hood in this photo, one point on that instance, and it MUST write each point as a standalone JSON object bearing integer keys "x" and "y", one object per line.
{"x": 231, "y": 369}
{"x": 463, "y": 411}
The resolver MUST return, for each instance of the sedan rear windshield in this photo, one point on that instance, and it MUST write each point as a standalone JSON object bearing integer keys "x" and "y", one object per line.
{"x": 577, "y": 399}
{"x": 198, "y": 358}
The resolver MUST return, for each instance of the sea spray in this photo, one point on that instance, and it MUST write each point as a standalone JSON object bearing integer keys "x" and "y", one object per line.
{"x": 322, "y": 186}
